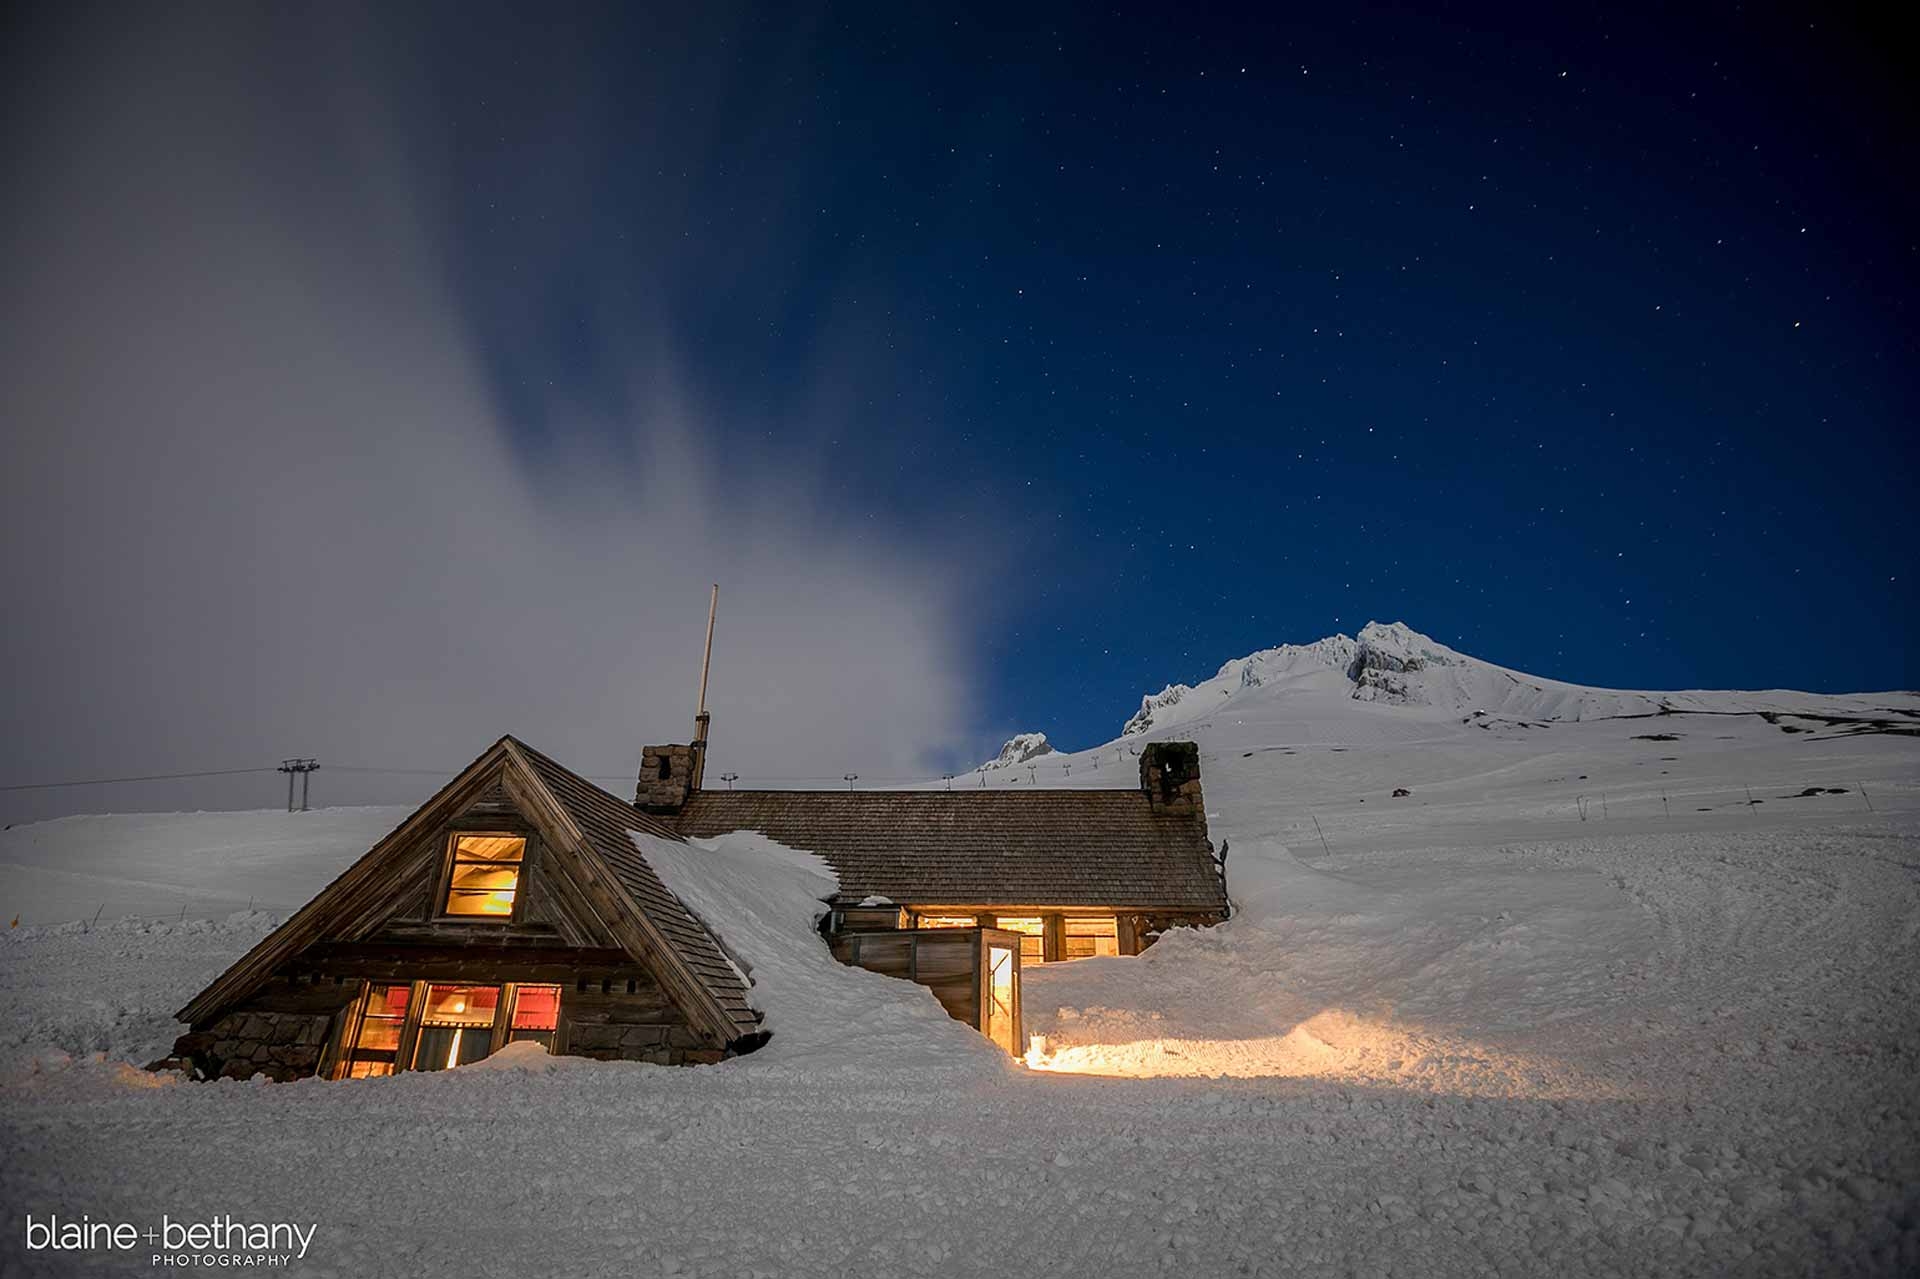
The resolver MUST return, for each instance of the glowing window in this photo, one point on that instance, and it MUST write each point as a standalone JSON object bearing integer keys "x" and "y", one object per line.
{"x": 377, "y": 1038}
{"x": 536, "y": 1015}
{"x": 485, "y": 876}
{"x": 456, "y": 1026}
{"x": 947, "y": 921}
{"x": 1033, "y": 936}
{"x": 1098, "y": 935}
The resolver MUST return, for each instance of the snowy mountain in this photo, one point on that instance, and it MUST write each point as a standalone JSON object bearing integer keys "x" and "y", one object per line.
{"x": 1018, "y": 749}
{"x": 1394, "y": 665}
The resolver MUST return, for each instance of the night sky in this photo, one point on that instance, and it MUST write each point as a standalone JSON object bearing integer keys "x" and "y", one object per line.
{"x": 1580, "y": 340}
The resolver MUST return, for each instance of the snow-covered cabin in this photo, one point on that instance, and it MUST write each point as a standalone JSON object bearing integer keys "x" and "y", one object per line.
{"x": 515, "y": 905}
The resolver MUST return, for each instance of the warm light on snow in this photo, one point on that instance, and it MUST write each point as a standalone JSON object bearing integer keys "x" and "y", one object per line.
{"x": 1336, "y": 1046}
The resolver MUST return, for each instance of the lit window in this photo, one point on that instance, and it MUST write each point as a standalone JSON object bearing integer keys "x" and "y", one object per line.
{"x": 947, "y": 921}
{"x": 1033, "y": 936}
{"x": 486, "y": 874}
{"x": 376, "y": 1040}
{"x": 536, "y": 1015}
{"x": 456, "y": 1026}
{"x": 1099, "y": 935}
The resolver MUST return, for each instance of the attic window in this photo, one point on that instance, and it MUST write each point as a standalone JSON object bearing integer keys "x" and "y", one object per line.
{"x": 485, "y": 875}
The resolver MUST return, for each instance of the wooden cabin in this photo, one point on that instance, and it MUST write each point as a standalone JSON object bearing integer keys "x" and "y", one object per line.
{"x": 512, "y": 905}
{"x": 1074, "y": 873}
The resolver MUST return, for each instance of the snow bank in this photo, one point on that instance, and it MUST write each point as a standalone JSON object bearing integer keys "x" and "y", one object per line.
{"x": 764, "y": 902}
{"x": 528, "y": 1058}
{"x": 1268, "y": 883}
{"x": 1322, "y": 976}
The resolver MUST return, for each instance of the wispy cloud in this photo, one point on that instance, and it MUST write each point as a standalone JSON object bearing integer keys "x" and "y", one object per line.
{"x": 262, "y": 496}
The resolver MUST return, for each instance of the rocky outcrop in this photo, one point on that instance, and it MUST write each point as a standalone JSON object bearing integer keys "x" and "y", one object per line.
{"x": 1384, "y": 654}
{"x": 1143, "y": 718}
{"x": 1018, "y": 750}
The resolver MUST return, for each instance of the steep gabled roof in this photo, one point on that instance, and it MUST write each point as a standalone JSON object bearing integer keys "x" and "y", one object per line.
{"x": 983, "y": 847}
{"x": 585, "y": 832}
{"x": 606, "y": 823}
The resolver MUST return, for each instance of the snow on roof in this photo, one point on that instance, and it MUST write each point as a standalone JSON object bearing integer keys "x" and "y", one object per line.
{"x": 764, "y": 901}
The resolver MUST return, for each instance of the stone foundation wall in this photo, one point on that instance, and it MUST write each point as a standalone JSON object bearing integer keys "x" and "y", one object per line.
{"x": 280, "y": 1045}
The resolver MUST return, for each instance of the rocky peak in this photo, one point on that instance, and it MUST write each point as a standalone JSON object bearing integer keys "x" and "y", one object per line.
{"x": 1385, "y": 653}
{"x": 1019, "y": 749}
{"x": 1143, "y": 718}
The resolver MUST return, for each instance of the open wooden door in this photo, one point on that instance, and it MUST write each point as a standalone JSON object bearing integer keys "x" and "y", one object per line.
{"x": 1003, "y": 998}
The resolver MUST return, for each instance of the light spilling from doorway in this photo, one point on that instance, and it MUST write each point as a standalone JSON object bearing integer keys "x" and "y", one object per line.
{"x": 1333, "y": 1045}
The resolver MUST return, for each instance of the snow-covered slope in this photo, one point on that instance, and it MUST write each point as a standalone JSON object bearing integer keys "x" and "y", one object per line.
{"x": 1392, "y": 664}
{"x": 1589, "y": 996}
{"x": 1018, "y": 749}
{"x": 184, "y": 864}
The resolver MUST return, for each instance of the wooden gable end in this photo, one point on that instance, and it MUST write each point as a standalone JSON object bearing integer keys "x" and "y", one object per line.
{"x": 586, "y": 886}
{"x": 551, "y": 909}
{"x": 394, "y": 893}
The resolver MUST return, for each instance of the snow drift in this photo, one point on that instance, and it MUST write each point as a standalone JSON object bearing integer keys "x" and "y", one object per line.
{"x": 764, "y": 901}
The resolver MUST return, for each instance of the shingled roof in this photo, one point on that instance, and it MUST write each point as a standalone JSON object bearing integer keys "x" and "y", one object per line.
{"x": 983, "y": 847}
{"x": 588, "y": 836}
{"x": 608, "y": 824}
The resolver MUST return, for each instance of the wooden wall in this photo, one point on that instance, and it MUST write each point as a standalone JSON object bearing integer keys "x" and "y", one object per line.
{"x": 951, "y": 962}
{"x": 610, "y": 1008}
{"x": 630, "y": 1020}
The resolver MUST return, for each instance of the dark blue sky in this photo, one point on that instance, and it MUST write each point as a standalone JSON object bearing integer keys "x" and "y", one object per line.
{"x": 1003, "y": 364}
{"x": 1581, "y": 340}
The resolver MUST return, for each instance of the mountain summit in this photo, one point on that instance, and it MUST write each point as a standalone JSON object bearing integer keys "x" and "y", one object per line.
{"x": 1393, "y": 664}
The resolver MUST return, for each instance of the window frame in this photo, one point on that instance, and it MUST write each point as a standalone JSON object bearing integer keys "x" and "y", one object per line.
{"x": 346, "y": 1041}
{"x": 500, "y": 1033}
{"x": 449, "y": 855}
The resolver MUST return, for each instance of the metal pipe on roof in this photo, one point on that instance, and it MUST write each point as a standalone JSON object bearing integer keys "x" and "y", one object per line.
{"x": 701, "y": 720}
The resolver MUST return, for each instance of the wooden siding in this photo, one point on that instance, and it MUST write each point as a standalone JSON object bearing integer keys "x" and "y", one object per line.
{"x": 950, "y": 962}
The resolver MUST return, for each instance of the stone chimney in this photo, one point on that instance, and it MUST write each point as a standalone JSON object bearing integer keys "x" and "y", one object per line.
{"x": 1170, "y": 775}
{"x": 666, "y": 778}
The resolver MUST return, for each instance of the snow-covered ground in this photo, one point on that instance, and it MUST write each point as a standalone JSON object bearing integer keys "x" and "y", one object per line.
{"x": 1573, "y": 1004}
{"x": 179, "y": 864}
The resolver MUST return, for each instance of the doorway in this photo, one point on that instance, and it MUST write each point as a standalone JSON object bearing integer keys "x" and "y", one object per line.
{"x": 1001, "y": 1019}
